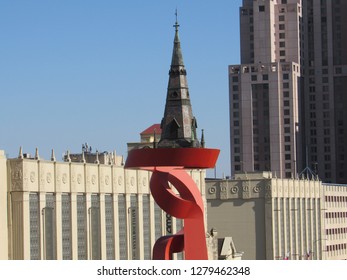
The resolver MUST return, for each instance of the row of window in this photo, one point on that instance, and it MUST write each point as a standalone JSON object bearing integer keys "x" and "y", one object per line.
{"x": 335, "y": 215}
{"x": 334, "y": 198}
{"x": 312, "y": 89}
{"x": 331, "y": 231}
{"x": 336, "y": 247}
{"x": 312, "y": 80}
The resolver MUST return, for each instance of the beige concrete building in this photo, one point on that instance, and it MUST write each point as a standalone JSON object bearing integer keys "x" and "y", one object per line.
{"x": 264, "y": 89}
{"x": 3, "y": 206}
{"x": 275, "y": 218}
{"x": 79, "y": 210}
{"x": 287, "y": 97}
{"x": 325, "y": 81}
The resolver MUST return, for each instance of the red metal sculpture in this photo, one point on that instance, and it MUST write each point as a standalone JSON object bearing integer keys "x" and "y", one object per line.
{"x": 169, "y": 166}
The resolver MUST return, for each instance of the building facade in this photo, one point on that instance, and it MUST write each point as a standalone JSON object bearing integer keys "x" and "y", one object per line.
{"x": 79, "y": 210}
{"x": 276, "y": 218}
{"x": 287, "y": 97}
{"x": 265, "y": 89}
{"x": 325, "y": 72}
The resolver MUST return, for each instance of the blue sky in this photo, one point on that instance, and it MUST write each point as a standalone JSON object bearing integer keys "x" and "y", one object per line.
{"x": 76, "y": 71}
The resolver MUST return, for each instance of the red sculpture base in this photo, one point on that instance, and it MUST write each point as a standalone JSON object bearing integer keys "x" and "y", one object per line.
{"x": 168, "y": 166}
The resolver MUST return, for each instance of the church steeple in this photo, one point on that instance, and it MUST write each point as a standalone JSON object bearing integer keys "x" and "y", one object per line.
{"x": 178, "y": 124}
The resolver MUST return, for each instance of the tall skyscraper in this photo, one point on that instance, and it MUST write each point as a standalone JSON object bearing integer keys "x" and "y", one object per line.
{"x": 286, "y": 98}
{"x": 264, "y": 89}
{"x": 325, "y": 83}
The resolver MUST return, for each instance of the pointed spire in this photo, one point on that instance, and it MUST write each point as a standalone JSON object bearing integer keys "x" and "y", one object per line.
{"x": 53, "y": 155}
{"x": 177, "y": 57}
{"x": 202, "y": 142}
{"x": 20, "y": 155}
{"x": 178, "y": 124}
{"x": 37, "y": 154}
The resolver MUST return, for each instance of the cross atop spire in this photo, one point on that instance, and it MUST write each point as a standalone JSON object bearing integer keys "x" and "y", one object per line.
{"x": 176, "y": 25}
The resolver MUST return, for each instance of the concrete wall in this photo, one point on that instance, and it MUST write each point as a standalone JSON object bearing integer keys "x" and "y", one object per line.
{"x": 244, "y": 221}
{"x": 3, "y": 207}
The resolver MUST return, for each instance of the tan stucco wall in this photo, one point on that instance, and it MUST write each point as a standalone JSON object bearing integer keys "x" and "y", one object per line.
{"x": 244, "y": 221}
{"x": 3, "y": 207}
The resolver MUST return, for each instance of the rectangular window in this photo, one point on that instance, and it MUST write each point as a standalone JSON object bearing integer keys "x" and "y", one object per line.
{"x": 66, "y": 226}
{"x": 235, "y": 79}
{"x": 146, "y": 227}
{"x": 134, "y": 228}
{"x": 158, "y": 221}
{"x": 49, "y": 227}
{"x": 34, "y": 216}
{"x": 262, "y": 8}
{"x": 122, "y": 212}
{"x": 109, "y": 224}
{"x": 81, "y": 227}
{"x": 95, "y": 228}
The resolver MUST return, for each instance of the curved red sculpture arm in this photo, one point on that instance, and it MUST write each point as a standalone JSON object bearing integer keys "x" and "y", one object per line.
{"x": 187, "y": 205}
{"x": 167, "y": 165}
{"x": 181, "y": 205}
{"x": 167, "y": 245}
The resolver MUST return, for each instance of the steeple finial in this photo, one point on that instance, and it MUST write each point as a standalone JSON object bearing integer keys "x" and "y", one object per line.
{"x": 176, "y": 25}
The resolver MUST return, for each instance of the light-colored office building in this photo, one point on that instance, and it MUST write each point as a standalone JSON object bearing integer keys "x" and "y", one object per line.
{"x": 264, "y": 89}
{"x": 277, "y": 218}
{"x": 287, "y": 97}
{"x": 79, "y": 210}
